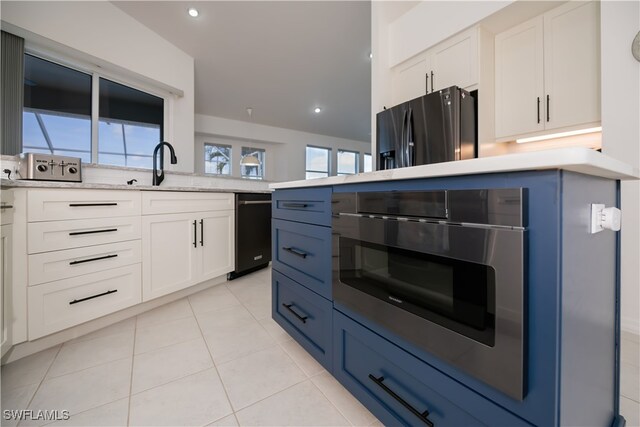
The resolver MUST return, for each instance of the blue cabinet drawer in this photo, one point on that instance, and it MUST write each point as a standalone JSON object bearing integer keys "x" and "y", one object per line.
{"x": 401, "y": 389}
{"x": 310, "y": 205}
{"x": 303, "y": 252}
{"x": 305, "y": 315}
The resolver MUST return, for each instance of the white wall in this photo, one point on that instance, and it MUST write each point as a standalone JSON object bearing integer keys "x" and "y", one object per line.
{"x": 285, "y": 148}
{"x": 99, "y": 32}
{"x": 620, "y": 22}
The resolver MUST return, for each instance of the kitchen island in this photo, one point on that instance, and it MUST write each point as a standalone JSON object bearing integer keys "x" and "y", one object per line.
{"x": 560, "y": 319}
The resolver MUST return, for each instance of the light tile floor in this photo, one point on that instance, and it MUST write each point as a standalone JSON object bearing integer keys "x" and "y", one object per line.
{"x": 215, "y": 358}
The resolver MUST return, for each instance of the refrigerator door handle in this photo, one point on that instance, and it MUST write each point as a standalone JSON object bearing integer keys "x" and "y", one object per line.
{"x": 410, "y": 145}
{"x": 403, "y": 136}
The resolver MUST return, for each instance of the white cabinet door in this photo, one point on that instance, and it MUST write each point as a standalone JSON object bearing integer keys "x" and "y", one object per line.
{"x": 216, "y": 244}
{"x": 572, "y": 64}
{"x": 455, "y": 62}
{"x": 408, "y": 79}
{"x": 5, "y": 293}
{"x": 519, "y": 79}
{"x": 169, "y": 253}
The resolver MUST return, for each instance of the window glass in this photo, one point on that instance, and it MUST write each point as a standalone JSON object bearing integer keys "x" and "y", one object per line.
{"x": 217, "y": 159}
{"x": 57, "y": 109}
{"x": 367, "y": 163}
{"x": 317, "y": 162}
{"x": 252, "y": 171}
{"x": 130, "y": 126}
{"x": 347, "y": 162}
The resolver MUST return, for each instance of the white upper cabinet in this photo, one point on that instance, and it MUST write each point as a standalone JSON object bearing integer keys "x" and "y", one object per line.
{"x": 548, "y": 72}
{"x": 519, "y": 79}
{"x": 408, "y": 79}
{"x": 572, "y": 64}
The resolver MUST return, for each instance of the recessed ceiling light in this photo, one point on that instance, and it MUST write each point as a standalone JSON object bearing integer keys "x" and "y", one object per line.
{"x": 370, "y": 55}
{"x": 193, "y": 12}
{"x": 317, "y": 110}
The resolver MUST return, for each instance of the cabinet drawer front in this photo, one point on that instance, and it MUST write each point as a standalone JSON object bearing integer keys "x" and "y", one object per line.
{"x": 53, "y": 205}
{"x": 305, "y": 315}
{"x": 303, "y": 252}
{"x": 374, "y": 369}
{"x": 50, "y": 266}
{"x": 59, "y": 305}
{"x": 55, "y": 235}
{"x": 166, "y": 202}
{"x": 311, "y": 205}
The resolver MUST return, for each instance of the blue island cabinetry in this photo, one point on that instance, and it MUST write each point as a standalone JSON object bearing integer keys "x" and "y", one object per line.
{"x": 571, "y": 306}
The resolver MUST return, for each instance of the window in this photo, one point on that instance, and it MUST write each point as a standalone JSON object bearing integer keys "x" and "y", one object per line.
{"x": 367, "y": 163}
{"x": 347, "y": 162}
{"x": 57, "y": 110}
{"x": 254, "y": 169}
{"x": 130, "y": 125}
{"x": 58, "y": 116}
{"x": 217, "y": 159}
{"x": 318, "y": 164}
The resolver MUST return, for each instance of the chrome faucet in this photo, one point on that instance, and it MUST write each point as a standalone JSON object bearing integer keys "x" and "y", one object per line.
{"x": 158, "y": 178}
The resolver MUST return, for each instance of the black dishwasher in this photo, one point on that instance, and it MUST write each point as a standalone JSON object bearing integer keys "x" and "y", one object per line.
{"x": 253, "y": 233}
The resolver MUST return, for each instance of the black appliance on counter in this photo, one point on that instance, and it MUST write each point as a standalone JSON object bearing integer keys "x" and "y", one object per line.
{"x": 434, "y": 128}
{"x": 252, "y": 233}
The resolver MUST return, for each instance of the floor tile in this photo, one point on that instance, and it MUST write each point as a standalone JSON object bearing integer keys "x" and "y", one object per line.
{"x": 233, "y": 342}
{"x": 28, "y": 370}
{"x": 213, "y": 299}
{"x": 348, "y": 405}
{"x": 229, "y": 421}
{"x": 259, "y": 308}
{"x": 630, "y": 336}
{"x": 630, "y": 410}
{"x": 222, "y": 320}
{"x": 161, "y": 366}
{"x": 248, "y": 288}
{"x": 111, "y": 414}
{"x": 304, "y": 360}
{"x": 166, "y": 313}
{"x": 630, "y": 352}
{"x": 86, "y": 354}
{"x": 116, "y": 328}
{"x": 165, "y": 334}
{"x": 16, "y": 399}
{"x": 86, "y": 389}
{"x": 258, "y": 375}
{"x": 279, "y": 334}
{"x": 300, "y": 405}
{"x": 630, "y": 381}
{"x": 191, "y": 401}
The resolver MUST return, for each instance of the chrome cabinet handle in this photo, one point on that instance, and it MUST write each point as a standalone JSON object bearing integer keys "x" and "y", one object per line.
{"x": 295, "y": 252}
{"x": 421, "y": 416}
{"x": 427, "y": 84}
{"x": 82, "y": 261}
{"x": 75, "y": 301}
{"x": 202, "y": 232}
{"x": 538, "y": 109}
{"x": 195, "y": 233}
{"x": 303, "y": 319}
{"x": 79, "y": 233}
{"x": 431, "y": 81}
{"x": 548, "y": 114}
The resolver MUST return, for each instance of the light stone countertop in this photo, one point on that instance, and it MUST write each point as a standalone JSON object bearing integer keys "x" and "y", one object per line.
{"x": 581, "y": 160}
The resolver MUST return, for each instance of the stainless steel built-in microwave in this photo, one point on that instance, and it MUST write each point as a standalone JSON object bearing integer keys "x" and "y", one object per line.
{"x": 444, "y": 270}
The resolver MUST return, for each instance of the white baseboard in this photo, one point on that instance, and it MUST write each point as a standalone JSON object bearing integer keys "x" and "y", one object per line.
{"x": 28, "y": 348}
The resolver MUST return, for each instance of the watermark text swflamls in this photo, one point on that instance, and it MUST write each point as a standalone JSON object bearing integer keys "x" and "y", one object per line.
{"x": 37, "y": 415}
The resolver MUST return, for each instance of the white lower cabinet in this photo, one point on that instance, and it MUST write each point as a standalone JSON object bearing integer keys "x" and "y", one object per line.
{"x": 5, "y": 291}
{"x": 55, "y": 306}
{"x": 180, "y": 250}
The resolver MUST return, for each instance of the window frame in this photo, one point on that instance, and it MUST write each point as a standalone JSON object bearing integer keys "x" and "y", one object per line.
{"x": 213, "y": 144}
{"x": 364, "y": 156}
{"x": 329, "y": 153}
{"x": 355, "y": 167}
{"x": 262, "y": 167}
{"x": 96, "y": 72}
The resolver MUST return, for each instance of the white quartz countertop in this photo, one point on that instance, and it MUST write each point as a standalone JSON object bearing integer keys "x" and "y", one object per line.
{"x": 6, "y": 183}
{"x": 581, "y": 160}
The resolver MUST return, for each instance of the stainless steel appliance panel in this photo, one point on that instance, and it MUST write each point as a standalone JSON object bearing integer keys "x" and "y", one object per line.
{"x": 49, "y": 167}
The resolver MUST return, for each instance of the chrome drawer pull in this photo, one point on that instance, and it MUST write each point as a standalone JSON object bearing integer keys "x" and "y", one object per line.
{"x": 75, "y": 301}
{"x": 295, "y": 252}
{"x": 422, "y": 416}
{"x": 89, "y": 205}
{"x": 295, "y": 205}
{"x": 79, "y": 233}
{"x": 288, "y": 307}
{"x": 92, "y": 259}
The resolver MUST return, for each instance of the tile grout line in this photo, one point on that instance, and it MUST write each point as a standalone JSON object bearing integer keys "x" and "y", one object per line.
{"x": 133, "y": 361}
{"x": 226, "y": 394}
{"x": 351, "y": 423}
{"x": 42, "y": 379}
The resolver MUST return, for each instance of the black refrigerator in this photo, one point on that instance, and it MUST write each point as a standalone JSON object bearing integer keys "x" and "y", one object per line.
{"x": 252, "y": 233}
{"x": 434, "y": 128}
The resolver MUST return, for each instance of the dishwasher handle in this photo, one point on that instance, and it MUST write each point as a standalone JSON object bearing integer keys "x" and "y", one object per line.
{"x": 254, "y": 202}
